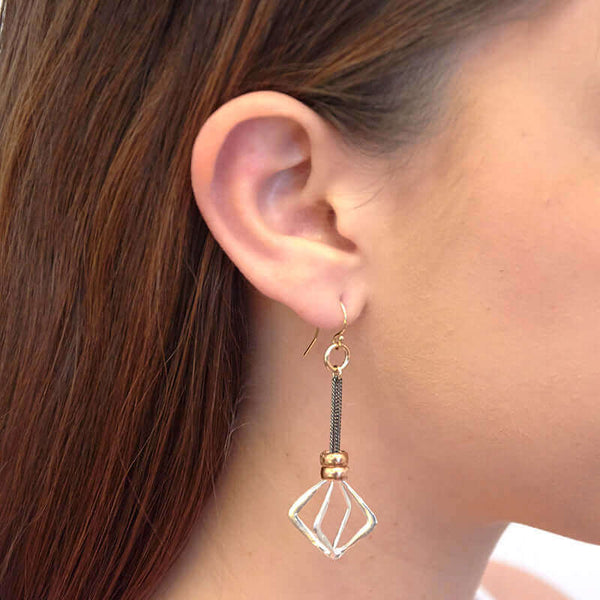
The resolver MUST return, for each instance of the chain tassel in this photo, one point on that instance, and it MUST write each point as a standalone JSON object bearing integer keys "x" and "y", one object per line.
{"x": 336, "y": 413}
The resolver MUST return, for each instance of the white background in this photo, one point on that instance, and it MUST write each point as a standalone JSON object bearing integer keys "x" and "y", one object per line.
{"x": 571, "y": 566}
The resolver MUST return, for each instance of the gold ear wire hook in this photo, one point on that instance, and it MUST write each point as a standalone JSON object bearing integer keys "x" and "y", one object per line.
{"x": 336, "y": 336}
{"x": 312, "y": 343}
{"x": 341, "y": 331}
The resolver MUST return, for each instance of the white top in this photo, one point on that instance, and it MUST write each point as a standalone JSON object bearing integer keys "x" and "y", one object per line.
{"x": 483, "y": 594}
{"x": 569, "y": 565}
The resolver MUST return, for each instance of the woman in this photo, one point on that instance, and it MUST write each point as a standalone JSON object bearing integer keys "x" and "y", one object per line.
{"x": 190, "y": 188}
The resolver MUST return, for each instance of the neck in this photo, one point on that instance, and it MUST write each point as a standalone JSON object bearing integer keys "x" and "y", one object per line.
{"x": 426, "y": 544}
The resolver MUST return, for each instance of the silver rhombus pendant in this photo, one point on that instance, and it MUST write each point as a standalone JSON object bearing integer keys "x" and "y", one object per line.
{"x": 333, "y": 471}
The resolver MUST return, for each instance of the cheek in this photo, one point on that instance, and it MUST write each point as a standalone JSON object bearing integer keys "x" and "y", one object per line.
{"x": 523, "y": 297}
{"x": 536, "y": 261}
{"x": 499, "y": 340}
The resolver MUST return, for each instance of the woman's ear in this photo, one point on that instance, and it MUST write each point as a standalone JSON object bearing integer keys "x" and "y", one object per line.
{"x": 271, "y": 179}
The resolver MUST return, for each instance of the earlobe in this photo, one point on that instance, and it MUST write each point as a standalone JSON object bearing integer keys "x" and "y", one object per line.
{"x": 259, "y": 175}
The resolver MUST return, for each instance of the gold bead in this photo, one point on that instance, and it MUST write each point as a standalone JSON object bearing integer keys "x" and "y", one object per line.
{"x": 334, "y": 472}
{"x": 334, "y": 459}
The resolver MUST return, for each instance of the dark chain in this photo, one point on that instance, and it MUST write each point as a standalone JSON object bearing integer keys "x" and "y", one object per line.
{"x": 336, "y": 413}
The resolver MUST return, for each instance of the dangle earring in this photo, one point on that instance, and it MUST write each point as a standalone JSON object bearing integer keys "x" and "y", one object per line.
{"x": 334, "y": 466}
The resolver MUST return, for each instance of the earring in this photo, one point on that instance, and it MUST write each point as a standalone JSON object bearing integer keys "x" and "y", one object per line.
{"x": 334, "y": 465}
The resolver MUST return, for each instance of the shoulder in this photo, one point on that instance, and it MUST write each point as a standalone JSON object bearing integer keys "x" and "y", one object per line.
{"x": 505, "y": 582}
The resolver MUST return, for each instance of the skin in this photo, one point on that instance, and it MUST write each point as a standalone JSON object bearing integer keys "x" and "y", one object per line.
{"x": 469, "y": 267}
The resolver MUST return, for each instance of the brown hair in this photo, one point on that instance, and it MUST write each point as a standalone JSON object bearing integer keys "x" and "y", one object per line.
{"x": 123, "y": 323}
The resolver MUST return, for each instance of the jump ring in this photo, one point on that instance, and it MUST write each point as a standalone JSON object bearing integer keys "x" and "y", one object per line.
{"x": 337, "y": 368}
